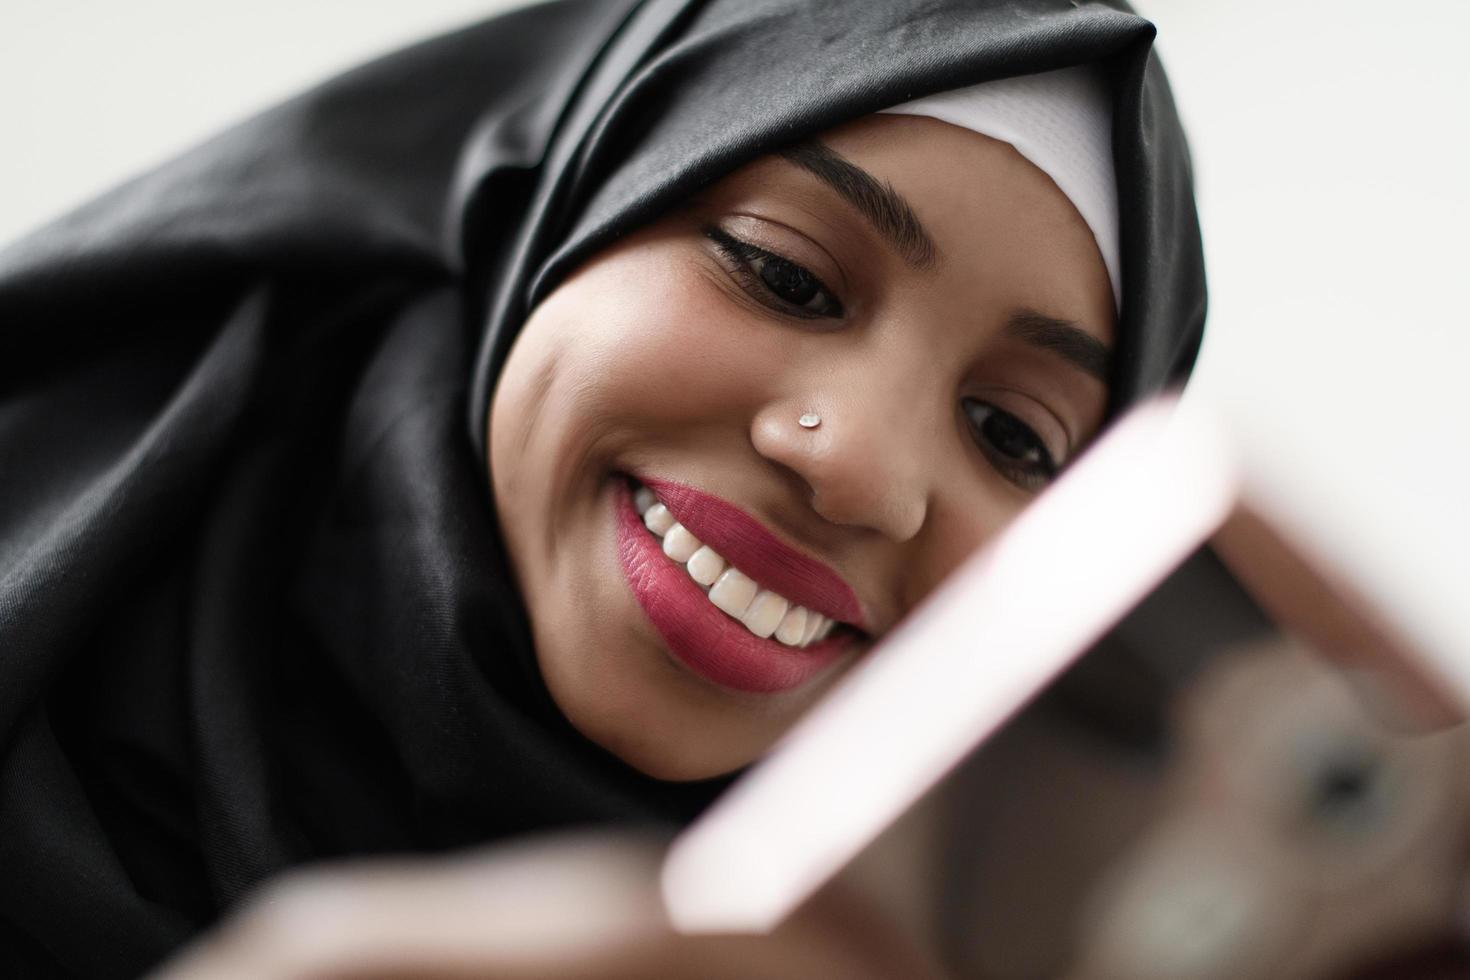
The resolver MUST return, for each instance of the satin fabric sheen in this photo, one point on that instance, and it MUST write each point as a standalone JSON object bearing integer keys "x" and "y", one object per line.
{"x": 254, "y": 608}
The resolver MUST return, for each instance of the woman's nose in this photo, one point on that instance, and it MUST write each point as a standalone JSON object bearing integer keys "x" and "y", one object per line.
{"x": 864, "y": 458}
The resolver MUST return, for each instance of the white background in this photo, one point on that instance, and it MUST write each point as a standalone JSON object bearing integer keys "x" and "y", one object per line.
{"x": 1331, "y": 149}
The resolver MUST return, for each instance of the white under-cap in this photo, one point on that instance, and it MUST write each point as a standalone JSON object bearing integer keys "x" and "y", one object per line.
{"x": 1062, "y": 121}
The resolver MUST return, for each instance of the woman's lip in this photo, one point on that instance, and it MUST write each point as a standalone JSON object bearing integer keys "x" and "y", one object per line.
{"x": 698, "y": 634}
{"x": 743, "y": 542}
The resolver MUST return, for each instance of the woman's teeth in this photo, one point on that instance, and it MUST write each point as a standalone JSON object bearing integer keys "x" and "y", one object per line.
{"x": 762, "y": 611}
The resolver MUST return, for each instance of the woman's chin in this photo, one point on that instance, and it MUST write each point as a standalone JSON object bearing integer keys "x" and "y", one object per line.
{"x": 681, "y": 762}
{"x": 626, "y": 693}
{"x": 653, "y": 726}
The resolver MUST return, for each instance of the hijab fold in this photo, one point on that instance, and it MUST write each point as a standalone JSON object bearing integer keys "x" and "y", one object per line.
{"x": 254, "y": 607}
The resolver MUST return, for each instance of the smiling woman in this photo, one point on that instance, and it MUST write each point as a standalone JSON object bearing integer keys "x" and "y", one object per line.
{"x": 524, "y": 429}
{"x": 685, "y": 355}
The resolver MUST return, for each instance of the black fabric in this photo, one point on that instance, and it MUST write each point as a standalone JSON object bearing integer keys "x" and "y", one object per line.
{"x": 253, "y": 605}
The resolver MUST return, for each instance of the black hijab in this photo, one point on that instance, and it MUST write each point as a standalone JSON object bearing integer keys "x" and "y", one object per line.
{"x": 254, "y": 608}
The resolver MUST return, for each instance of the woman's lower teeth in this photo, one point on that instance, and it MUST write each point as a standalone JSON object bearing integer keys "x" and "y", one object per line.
{"x": 761, "y": 611}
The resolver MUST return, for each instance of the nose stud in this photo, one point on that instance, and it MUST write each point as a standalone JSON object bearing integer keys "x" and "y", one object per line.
{"x": 809, "y": 421}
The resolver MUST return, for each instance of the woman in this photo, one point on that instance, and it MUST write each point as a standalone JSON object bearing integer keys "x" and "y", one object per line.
{"x": 258, "y": 606}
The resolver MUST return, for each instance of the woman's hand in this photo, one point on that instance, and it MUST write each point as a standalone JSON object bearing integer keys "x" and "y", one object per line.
{"x": 570, "y": 907}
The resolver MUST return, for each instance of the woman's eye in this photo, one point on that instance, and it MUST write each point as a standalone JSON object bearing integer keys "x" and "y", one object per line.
{"x": 1012, "y": 446}
{"x": 775, "y": 281}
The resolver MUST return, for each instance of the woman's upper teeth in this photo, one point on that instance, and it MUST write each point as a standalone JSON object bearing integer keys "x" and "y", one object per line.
{"x": 762, "y": 611}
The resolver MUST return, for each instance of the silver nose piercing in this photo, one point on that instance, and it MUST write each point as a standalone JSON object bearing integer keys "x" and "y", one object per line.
{"x": 809, "y": 421}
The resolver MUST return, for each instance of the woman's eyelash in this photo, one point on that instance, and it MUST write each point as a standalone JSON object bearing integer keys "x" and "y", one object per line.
{"x": 1011, "y": 446}
{"x": 775, "y": 280}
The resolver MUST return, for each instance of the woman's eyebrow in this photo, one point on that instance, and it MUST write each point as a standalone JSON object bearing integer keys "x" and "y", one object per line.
{"x": 1063, "y": 338}
{"x": 884, "y": 207}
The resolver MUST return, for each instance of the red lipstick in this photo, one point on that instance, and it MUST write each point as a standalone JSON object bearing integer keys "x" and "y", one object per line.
{"x": 698, "y": 634}
{"x": 742, "y": 541}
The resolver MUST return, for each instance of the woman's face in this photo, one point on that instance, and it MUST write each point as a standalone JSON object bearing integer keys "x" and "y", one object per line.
{"x": 925, "y": 291}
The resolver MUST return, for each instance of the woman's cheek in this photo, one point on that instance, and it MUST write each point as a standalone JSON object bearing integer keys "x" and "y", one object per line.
{"x": 672, "y": 343}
